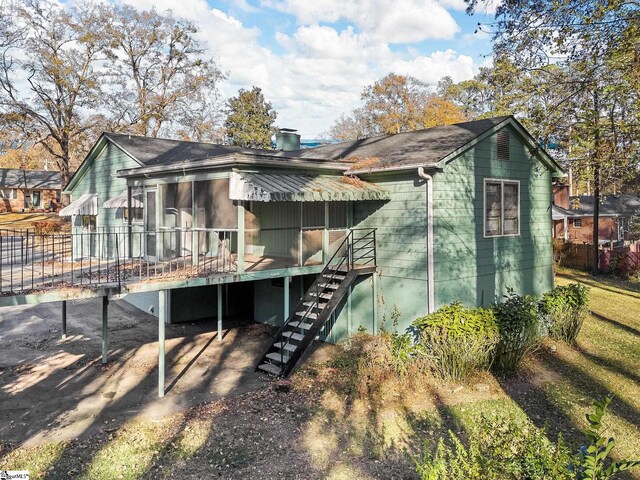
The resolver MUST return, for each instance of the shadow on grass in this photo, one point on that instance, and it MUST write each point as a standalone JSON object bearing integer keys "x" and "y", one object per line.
{"x": 616, "y": 324}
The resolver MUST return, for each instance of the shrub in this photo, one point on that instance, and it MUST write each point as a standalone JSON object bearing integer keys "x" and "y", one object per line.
{"x": 458, "y": 341}
{"x": 46, "y": 227}
{"x": 593, "y": 458}
{"x": 566, "y": 307}
{"x": 521, "y": 329}
{"x": 498, "y": 448}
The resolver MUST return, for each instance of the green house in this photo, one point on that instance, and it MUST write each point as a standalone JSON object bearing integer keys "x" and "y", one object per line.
{"x": 322, "y": 241}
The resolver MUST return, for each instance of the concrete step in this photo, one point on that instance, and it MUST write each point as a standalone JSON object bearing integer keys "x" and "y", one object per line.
{"x": 270, "y": 368}
{"x": 332, "y": 286}
{"x": 312, "y": 316}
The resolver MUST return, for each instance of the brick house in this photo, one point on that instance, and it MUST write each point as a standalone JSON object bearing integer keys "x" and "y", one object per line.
{"x": 573, "y": 216}
{"x": 29, "y": 190}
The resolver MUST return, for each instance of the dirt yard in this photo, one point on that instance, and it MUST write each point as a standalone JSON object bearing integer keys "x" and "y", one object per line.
{"x": 58, "y": 389}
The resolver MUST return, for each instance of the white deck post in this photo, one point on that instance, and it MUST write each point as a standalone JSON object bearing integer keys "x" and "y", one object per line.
{"x": 164, "y": 305}
{"x": 240, "y": 254}
{"x": 105, "y": 330}
{"x": 219, "y": 305}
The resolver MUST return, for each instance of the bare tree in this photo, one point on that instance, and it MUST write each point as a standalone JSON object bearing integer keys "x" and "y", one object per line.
{"x": 49, "y": 71}
{"x": 163, "y": 82}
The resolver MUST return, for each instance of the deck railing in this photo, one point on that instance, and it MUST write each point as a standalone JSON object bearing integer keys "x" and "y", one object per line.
{"x": 34, "y": 262}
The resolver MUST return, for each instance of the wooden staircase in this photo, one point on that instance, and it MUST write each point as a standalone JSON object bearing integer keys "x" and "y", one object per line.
{"x": 354, "y": 256}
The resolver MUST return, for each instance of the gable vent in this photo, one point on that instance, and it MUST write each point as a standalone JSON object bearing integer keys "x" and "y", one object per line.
{"x": 503, "y": 145}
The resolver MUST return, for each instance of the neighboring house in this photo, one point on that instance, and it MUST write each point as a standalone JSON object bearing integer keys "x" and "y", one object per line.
{"x": 27, "y": 190}
{"x": 461, "y": 212}
{"x": 573, "y": 216}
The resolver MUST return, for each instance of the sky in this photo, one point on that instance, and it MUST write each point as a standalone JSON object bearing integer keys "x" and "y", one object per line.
{"x": 312, "y": 58}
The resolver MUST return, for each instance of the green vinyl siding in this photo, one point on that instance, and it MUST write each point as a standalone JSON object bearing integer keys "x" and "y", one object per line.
{"x": 468, "y": 267}
{"x": 99, "y": 178}
{"x": 401, "y": 256}
{"x": 475, "y": 270}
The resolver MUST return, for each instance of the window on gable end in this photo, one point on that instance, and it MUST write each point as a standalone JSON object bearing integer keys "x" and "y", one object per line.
{"x": 502, "y": 140}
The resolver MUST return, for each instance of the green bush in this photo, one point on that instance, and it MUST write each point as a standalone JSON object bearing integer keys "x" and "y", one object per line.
{"x": 521, "y": 329}
{"x": 566, "y": 307}
{"x": 498, "y": 448}
{"x": 457, "y": 341}
{"x": 593, "y": 460}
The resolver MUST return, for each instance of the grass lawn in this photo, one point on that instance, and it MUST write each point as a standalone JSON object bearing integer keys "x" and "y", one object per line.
{"x": 26, "y": 220}
{"x": 329, "y": 426}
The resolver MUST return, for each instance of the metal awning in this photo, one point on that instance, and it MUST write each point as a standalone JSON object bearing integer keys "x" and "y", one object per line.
{"x": 87, "y": 204}
{"x": 272, "y": 187}
{"x": 121, "y": 200}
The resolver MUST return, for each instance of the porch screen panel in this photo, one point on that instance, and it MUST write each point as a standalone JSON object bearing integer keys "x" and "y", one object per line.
{"x": 312, "y": 214}
{"x": 511, "y": 209}
{"x": 177, "y": 220}
{"x": 311, "y": 237}
{"x": 493, "y": 209}
{"x": 277, "y": 229}
{"x": 216, "y": 214}
{"x": 338, "y": 214}
{"x": 215, "y": 209}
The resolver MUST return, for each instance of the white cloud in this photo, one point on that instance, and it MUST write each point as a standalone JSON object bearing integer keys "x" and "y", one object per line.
{"x": 404, "y": 21}
{"x": 433, "y": 67}
{"x": 319, "y": 70}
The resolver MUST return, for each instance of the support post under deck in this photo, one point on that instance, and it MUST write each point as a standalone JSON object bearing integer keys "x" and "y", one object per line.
{"x": 219, "y": 305}
{"x": 240, "y": 254}
{"x": 64, "y": 319}
{"x": 285, "y": 310}
{"x": 164, "y": 304}
{"x": 105, "y": 330}
{"x": 161, "y": 357}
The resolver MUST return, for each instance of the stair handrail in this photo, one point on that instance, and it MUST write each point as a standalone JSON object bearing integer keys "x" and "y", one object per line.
{"x": 316, "y": 301}
{"x": 348, "y": 257}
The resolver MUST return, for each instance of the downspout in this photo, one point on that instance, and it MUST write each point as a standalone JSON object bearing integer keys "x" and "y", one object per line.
{"x": 430, "y": 270}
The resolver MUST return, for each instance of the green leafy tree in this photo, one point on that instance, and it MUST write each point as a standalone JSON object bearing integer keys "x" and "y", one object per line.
{"x": 593, "y": 46}
{"x": 395, "y": 104}
{"x": 250, "y": 120}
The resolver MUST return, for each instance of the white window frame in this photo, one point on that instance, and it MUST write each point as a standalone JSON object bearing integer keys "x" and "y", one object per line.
{"x": 502, "y": 182}
{"x": 577, "y": 220}
{"x": 11, "y": 193}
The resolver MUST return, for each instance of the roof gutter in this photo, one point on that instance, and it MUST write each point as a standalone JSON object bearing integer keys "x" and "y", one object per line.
{"x": 430, "y": 269}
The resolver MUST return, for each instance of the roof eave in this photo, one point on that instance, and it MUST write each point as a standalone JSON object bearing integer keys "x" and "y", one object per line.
{"x": 233, "y": 160}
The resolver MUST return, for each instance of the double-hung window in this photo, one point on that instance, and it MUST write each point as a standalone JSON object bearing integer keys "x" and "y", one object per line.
{"x": 501, "y": 208}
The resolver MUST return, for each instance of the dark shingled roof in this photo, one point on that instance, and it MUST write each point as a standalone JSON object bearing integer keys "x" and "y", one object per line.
{"x": 39, "y": 179}
{"x": 421, "y": 147}
{"x": 623, "y": 205}
{"x": 159, "y": 151}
